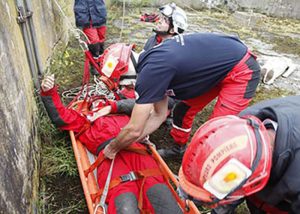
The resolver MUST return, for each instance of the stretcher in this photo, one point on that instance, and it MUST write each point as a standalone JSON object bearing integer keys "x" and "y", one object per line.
{"x": 85, "y": 159}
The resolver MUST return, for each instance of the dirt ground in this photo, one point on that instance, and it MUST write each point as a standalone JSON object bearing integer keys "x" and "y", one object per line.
{"x": 264, "y": 35}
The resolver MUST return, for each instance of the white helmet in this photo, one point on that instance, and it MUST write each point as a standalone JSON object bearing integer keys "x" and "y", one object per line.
{"x": 177, "y": 16}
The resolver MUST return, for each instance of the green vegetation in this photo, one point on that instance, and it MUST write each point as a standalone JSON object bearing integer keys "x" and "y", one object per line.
{"x": 60, "y": 190}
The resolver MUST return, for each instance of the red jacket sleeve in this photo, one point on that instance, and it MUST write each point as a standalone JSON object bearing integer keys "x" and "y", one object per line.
{"x": 63, "y": 118}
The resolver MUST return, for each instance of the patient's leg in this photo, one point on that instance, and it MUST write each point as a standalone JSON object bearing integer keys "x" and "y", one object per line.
{"x": 162, "y": 199}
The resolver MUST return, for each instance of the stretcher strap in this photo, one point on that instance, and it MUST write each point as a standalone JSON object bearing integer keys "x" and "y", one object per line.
{"x": 90, "y": 59}
{"x": 139, "y": 150}
{"x": 101, "y": 157}
{"x": 146, "y": 173}
{"x": 142, "y": 174}
{"x": 97, "y": 162}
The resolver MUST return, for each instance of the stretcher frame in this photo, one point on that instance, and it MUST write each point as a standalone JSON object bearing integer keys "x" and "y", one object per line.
{"x": 89, "y": 184}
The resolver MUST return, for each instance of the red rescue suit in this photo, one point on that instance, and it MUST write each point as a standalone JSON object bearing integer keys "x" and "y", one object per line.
{"x": 102, "y": 130}
{"x": 234, "y": 94}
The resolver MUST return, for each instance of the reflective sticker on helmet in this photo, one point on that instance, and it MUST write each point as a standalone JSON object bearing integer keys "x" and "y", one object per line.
{"x": 220, "y": 153}
{"x": 231, "y": 175}
{"x": 109, "y": 65}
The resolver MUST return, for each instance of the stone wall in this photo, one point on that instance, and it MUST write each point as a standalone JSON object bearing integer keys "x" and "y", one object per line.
{"x": 278, "y": 8}
{"x": 20, "y": 143}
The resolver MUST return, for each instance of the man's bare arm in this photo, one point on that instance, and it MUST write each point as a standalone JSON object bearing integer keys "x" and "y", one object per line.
{"x": 145, "y": 119}
{"x": 132, "y": 131}
{"x": 157, "y": 117}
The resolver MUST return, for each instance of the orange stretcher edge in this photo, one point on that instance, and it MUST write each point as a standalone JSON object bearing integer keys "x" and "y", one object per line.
{"x": 90, "y": 186}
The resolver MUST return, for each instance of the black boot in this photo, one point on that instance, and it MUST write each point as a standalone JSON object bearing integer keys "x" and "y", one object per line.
{"x": 96, "y": 49}
{"x": 101, "y": 48}
{"x": 172, "y": 152}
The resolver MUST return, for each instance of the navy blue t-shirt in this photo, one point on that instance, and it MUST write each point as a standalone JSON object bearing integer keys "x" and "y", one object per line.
{"x": 186, "y": 66}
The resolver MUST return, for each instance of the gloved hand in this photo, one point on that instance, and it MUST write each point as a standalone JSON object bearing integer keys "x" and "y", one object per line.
{"x": 48, "y": 83}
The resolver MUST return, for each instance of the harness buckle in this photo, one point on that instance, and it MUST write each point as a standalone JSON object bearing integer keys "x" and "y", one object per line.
{"x": 131, "y": 176}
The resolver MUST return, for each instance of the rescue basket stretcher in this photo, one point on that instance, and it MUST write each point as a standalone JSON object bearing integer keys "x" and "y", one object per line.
{"x": 85, "y": 159}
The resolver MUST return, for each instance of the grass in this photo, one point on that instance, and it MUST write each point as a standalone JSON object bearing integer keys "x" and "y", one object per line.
{"x": 60, "y": 189}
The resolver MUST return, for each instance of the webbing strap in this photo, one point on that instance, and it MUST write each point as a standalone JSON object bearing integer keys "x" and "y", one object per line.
{"x": 101, "y": 157}
{"x": 133, "y": 61}
{"x": 110, "y": 84}
{"x": 142, "y": 174}
{"x": 90, "y": 59}
{"x": 97, "y": 162}
{"x": 139, "y": 150}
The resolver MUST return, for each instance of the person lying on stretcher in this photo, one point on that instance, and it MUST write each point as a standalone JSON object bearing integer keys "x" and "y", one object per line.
{"x": 129, "y": 192}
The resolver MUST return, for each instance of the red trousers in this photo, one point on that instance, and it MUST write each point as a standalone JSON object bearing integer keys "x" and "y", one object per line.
{"x": 124, "y": 163}
{"x": 95, "y": 35}
{"x": 234, "y": 94}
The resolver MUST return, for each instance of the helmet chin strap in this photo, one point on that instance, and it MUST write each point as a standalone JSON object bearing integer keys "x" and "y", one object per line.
{"x": 163, "y": 33}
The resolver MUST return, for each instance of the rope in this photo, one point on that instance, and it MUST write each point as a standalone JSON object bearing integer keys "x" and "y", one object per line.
{"x": 75, "y": 31}
{"x": 123, "y": 17}
{"x": 105, "y": 189}
{"x": 251, "y": 13}
{"x": 97, "y": 89}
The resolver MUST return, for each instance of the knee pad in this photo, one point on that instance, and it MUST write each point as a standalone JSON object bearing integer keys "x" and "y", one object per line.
{"x": 126, "y": 203}
{"x": 162, "y": 200}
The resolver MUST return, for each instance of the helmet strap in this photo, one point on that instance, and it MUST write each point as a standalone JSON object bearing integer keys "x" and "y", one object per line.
{"x": 162, "y": 33}
{"x": 258, "y": 154}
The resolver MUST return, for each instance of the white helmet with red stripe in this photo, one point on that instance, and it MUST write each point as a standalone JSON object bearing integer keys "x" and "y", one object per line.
{"x": 228, "y": 158}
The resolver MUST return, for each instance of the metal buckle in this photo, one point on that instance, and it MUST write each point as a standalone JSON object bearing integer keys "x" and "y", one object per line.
{"x": 131, "y": 176}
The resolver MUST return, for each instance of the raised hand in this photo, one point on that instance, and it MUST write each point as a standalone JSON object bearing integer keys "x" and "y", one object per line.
{"x": 48, "y": 83}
